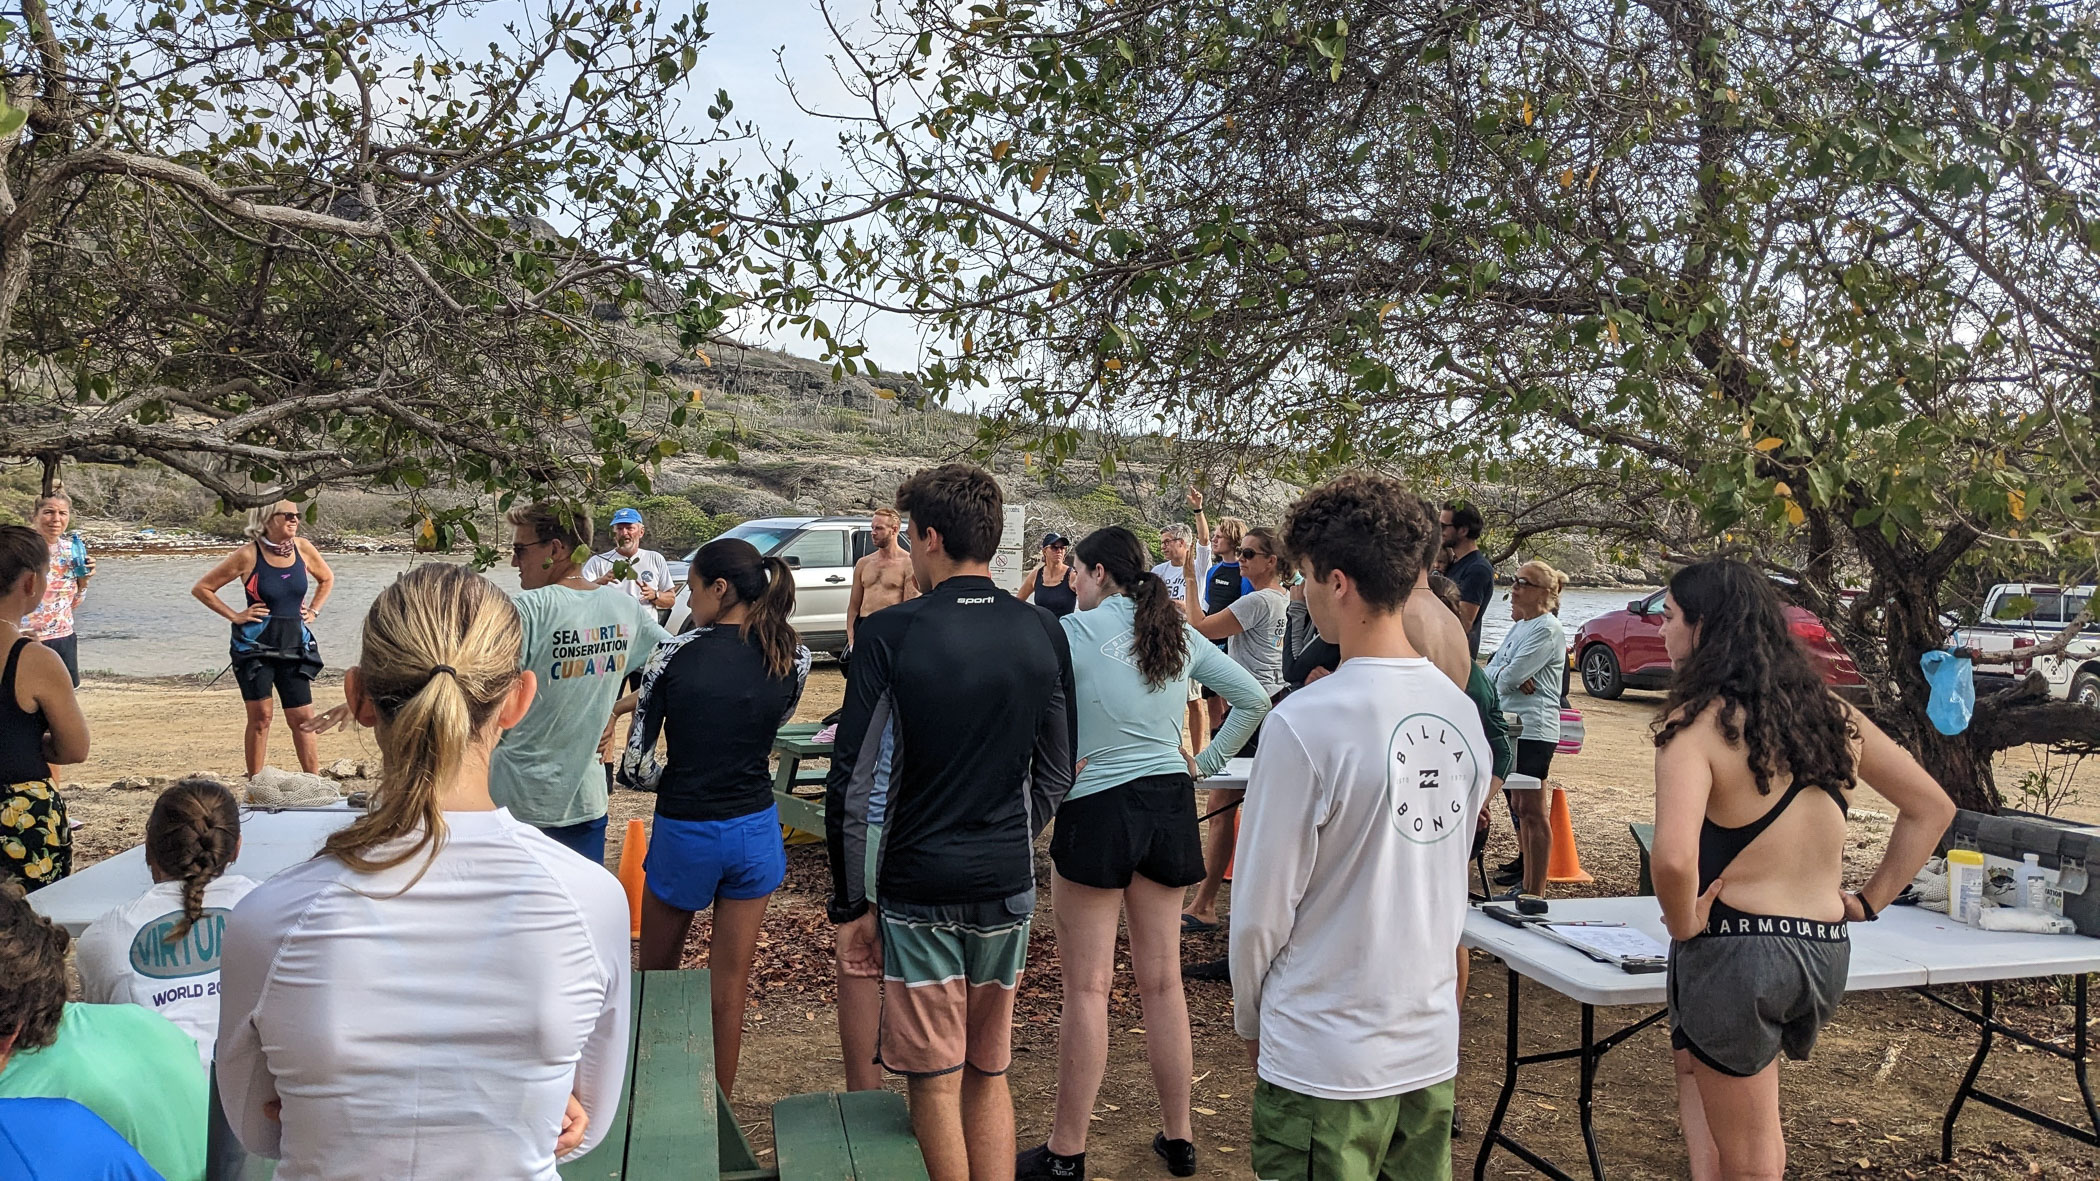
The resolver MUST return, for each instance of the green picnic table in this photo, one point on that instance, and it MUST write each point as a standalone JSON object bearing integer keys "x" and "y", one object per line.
{"x": 673, "y": 1121}
{"x": 796, "y": 742}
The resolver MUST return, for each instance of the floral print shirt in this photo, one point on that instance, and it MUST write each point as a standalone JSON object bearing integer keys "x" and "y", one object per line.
{"x": 52, "y": 619}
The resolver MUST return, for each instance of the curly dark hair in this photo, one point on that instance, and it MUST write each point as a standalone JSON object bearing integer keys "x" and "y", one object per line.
{"x": 1160, "y": 629}
{"x": 1368, "y": 527}
{"x": 32, "y": 972}
{"x": 1773, "y": 702}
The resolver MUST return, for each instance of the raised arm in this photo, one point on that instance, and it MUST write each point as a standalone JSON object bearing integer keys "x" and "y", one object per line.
{"x": 1923, "y": 813}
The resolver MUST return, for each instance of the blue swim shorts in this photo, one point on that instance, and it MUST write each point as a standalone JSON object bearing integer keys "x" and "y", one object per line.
{"x": 693, "y": 862}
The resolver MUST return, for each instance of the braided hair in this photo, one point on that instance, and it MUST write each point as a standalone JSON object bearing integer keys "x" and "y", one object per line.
{"x": 193, "y": 834}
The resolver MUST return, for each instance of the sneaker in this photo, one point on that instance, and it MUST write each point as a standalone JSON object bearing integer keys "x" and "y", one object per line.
{"x": 1513, "y": 865}
{"x": 1217, "y": 969}
{"x": 1180, "y": 1155}
{"x": 1508, "y": 877}
{"x": 1457, "y": 1127}
{"x": 1041, "y": 1164}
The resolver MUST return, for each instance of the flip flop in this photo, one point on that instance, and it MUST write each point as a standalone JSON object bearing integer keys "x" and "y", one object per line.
{"x": 1190, "y": 924}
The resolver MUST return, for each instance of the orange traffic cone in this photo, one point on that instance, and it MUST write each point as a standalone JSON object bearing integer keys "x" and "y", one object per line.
{"x": 633, "y": 851}
{"x": 1566, "y": 864}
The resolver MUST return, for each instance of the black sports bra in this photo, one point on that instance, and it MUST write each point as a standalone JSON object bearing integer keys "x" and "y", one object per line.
{"x": 1720, "y": 846}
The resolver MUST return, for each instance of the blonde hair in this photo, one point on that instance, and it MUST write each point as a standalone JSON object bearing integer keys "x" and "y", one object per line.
{"x": 441, "y": 651}
{"x": 886, "y": 512}
{"x": 1554, "y": 582}
{"x": 1235, "y": 531}
{"x": 259, "y": 516}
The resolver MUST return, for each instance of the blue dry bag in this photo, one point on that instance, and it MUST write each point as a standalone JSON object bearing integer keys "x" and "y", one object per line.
{"x": 1953, "y": 699}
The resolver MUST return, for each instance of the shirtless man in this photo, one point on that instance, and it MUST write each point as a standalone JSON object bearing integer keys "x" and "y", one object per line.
{"x": 884, "y": 577}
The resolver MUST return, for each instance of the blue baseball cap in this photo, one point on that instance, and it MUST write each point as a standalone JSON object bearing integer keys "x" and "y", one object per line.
{"x": 627, "y": 516}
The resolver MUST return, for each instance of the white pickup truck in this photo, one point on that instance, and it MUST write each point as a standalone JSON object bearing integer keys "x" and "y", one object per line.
{"x": 2025, "y": 615}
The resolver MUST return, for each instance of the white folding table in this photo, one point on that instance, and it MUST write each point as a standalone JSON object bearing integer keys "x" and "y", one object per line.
{"x": 1906, "y": 948}
{"x": 272, "y": 840}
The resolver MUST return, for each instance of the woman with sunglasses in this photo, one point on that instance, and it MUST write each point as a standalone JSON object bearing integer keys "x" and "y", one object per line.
{"x": 1049, "y": 585}
{"x": 273, "y": 648}
{"x": 1252, "y": 628}
{"x": 1526, "y": 670}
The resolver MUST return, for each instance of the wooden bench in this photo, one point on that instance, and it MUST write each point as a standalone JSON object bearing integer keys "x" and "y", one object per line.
{"x": 796, "y": 742}
{"x": 1644, "y": 837}
{"x": 674, "y": 1123}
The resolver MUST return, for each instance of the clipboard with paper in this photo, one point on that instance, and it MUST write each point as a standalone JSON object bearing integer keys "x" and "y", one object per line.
{"x": 1633, "y": 950}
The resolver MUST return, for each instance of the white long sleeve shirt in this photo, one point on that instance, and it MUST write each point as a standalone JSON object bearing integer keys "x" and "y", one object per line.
{"x": 127, "y": 958}
{"x": 433, "y": 1029}
{"x": 1349, "y": 889}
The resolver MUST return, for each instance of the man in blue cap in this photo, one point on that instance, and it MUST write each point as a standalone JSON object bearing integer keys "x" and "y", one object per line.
{"x": 649, "y": 579}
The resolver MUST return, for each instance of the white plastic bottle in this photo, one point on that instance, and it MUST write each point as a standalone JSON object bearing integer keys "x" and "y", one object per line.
{"x": 1964, "y": 885}
{"x": 2033, "y": 885}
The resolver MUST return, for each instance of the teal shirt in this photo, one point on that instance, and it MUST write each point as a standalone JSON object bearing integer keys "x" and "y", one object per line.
{"x": 581, "y": 645}
{"x": 132, "y": 1067}
{"x": 1128, "y": 729}
{"x": 1534, "y": 650}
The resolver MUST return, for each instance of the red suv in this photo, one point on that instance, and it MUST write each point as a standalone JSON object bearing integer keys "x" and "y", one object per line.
{"x": 1623, "y": 650}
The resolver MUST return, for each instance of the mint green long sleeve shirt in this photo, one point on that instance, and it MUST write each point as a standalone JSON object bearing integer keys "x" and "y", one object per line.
{"x": 1128, "y": 729}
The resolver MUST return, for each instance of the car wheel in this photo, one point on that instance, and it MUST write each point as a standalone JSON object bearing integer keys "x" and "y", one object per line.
{"x": 2085, "y": 690}
{"x": 1600, "y": 673}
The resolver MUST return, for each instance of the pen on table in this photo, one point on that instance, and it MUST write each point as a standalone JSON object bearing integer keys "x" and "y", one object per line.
{"x": 1588, "y": 923}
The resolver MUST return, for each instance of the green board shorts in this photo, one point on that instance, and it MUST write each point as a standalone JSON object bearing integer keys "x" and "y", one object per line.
{"x": 948, "y": 980}
{"x": 1405, "y": 1137}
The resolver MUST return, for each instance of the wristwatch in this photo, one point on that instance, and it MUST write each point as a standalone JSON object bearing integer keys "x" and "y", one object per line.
{"x": 1868, "y": 910}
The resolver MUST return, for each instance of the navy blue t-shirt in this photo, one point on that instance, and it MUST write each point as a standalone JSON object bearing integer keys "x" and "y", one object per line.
{"x": 1475, "y": 577}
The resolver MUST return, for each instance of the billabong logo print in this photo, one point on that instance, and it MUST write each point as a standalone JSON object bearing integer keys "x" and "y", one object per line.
{"x": 1430, "y": 768}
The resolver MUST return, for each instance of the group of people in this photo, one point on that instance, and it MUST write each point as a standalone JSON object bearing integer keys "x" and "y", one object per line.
{"x": 356, "y": 991}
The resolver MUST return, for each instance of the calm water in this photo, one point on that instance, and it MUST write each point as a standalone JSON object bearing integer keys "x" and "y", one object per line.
{"x": 139, "y": 619}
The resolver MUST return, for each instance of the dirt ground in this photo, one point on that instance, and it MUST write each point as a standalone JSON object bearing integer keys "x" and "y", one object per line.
{"x": 1868, "y": 1104}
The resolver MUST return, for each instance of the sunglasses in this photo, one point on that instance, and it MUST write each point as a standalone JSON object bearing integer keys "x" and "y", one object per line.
{"x": 518, "y": 548}
{"x": 287, "y": 516}
{"x": 1529, "y": 583}
{"x": 1245, "y": 553}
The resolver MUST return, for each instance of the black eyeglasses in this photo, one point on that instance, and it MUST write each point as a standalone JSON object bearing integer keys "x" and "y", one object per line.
{"x": 518, "y": 548}
{"x": 1527, "y": 582}
{"x": 1245, "y": 553}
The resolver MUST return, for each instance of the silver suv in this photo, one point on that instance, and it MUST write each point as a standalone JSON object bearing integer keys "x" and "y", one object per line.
{"x": 822, "y": 551}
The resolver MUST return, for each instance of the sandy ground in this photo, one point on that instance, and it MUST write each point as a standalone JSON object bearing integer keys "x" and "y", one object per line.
{"x": 1868, "y": 1104}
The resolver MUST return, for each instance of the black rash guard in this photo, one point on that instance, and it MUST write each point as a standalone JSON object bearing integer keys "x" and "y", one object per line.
{"x": 707, "y": 692}
{"x": 972, "y": 689}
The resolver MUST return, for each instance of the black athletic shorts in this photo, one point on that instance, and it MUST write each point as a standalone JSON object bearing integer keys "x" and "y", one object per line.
{"x": 1535, "y": 757}
{"x": 68, "y": 649}
{"x": 1146, "y": 826}
{"x": 257, "y": 674}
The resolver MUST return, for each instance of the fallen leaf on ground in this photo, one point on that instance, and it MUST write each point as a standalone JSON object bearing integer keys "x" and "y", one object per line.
{"x": 1202, "y": 1111}
{"x": 1546, "y": 1105}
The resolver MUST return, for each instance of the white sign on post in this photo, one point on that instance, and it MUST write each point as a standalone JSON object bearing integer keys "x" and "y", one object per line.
{"x": 1009, "y": 564}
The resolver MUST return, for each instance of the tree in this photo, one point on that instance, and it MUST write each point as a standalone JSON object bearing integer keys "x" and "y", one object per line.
{"x": 1823, "y": 275}
{"x": 276, "y": 246}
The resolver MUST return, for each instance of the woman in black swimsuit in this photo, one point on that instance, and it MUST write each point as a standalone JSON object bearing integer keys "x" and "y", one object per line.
{"x": 1755, "y": 764}
{"x": 1049, "y": 585}
{"x": 272, "y": 646}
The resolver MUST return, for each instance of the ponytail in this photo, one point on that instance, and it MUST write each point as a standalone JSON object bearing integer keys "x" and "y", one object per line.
{"x": 441, "y": 649}
{"x": 192, "y": 835}
{"x": 1160, "y": 631}
{"x": 768, "y": 623}
{"x": 766, "y": 586}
